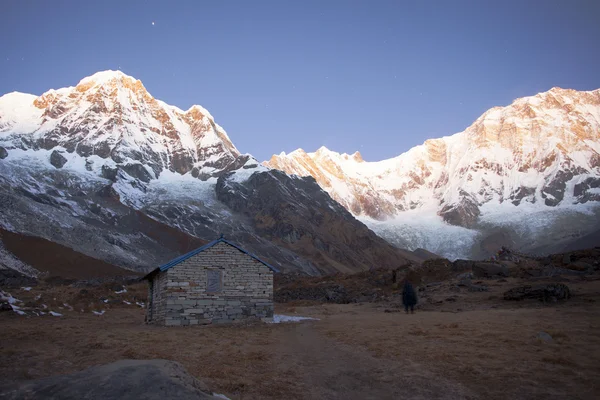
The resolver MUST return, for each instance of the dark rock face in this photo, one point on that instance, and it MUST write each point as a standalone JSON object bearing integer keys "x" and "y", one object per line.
{"x": 57, "y": 159}
{"x": 464, "y": 213}
{"x": 109, "y": 173}
{"x": 137, "y": 171}
{"x": 3, "y": 153}
{"x": 295, "y": 213}
{"x": 554, "y": 191}
{"x": 134, "y": 379}
{"x": 522, "y": 193}
{"x": 182, "y": 162}
{"x": 581, "y": 190}
{"x": 224, "y": 166}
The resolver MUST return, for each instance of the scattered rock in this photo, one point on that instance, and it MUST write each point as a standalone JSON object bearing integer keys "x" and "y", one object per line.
{"x": 133, "y": 379}
{"x": 552, "y": 270}
{"x": 3, "y": 153}
{"x": 466, "y": 275}
{"x": 57, "y": 159}
{"x": 544, "y": 336}
{"x": 549, "y": 292}
{"x": 566, "y": 259}
{"x": 478, "y": 288}
{"x": 465, "y": 282}
{"x": 115, "y": 283}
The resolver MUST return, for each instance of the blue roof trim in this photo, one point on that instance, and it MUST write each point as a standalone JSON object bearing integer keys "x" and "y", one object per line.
{"x": 192, "y": 253}
{"x": 184, "y": 257}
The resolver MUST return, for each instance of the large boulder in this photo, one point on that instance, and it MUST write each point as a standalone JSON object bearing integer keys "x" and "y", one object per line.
{"x": 125, "y": 379}
{"x": 489, "y": 270}
{"x": 463, "y": 265}
{"x": 57, "y": 159}
{"x": 3, "y": 153}
{"x": 549, "y": 292}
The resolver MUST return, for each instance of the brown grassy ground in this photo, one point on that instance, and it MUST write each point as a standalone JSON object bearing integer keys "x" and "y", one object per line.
{"x": 355, "y": 351}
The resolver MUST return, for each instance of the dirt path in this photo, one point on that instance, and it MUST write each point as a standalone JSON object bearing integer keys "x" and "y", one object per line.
{"x": 333, "y": 370}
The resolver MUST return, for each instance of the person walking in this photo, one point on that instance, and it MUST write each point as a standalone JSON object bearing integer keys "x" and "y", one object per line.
{"x": 409, "y": 297}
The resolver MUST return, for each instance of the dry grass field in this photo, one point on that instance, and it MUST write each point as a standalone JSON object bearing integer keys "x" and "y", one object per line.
{"x": 354, "y": 351}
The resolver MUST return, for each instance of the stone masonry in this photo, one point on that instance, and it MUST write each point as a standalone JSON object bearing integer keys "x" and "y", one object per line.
{"x": 240, "y": 287}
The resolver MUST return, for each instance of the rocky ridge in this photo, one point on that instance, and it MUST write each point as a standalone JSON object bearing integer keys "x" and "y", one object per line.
{"x": 538, "y": 155}
{"x": 110, "y": 171}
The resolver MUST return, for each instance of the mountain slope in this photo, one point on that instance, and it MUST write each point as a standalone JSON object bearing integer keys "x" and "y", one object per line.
{"x": 112, "y": 172}
{"x": 540, "y": 156}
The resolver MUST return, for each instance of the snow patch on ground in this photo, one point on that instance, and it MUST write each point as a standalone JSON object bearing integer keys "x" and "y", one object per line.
{"x": 8, "y": 298}
{"x": 279, "y": 318}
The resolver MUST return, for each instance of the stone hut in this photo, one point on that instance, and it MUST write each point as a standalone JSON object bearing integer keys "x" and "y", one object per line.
{"x": 218, "y": 282}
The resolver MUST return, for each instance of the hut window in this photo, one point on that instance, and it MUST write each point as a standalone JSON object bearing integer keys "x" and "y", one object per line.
{"x": 213, "y": 281}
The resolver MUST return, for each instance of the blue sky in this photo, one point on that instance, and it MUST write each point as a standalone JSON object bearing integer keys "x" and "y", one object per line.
{"x": 375, "y": 76}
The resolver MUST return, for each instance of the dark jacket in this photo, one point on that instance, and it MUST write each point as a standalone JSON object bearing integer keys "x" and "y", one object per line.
{"x": 409, "y": 296}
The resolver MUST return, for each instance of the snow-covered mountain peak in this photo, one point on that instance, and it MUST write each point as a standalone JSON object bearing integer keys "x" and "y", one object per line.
{"x": 324, "y": 152}
{"x": 103, "y": 77}
{"x": 113, "y": 116}
{"x": 356, "y": 156}
{"x": 541, "y": 150}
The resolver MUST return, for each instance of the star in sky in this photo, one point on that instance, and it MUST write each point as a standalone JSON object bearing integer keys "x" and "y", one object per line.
{"x": 152, "y": 23}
